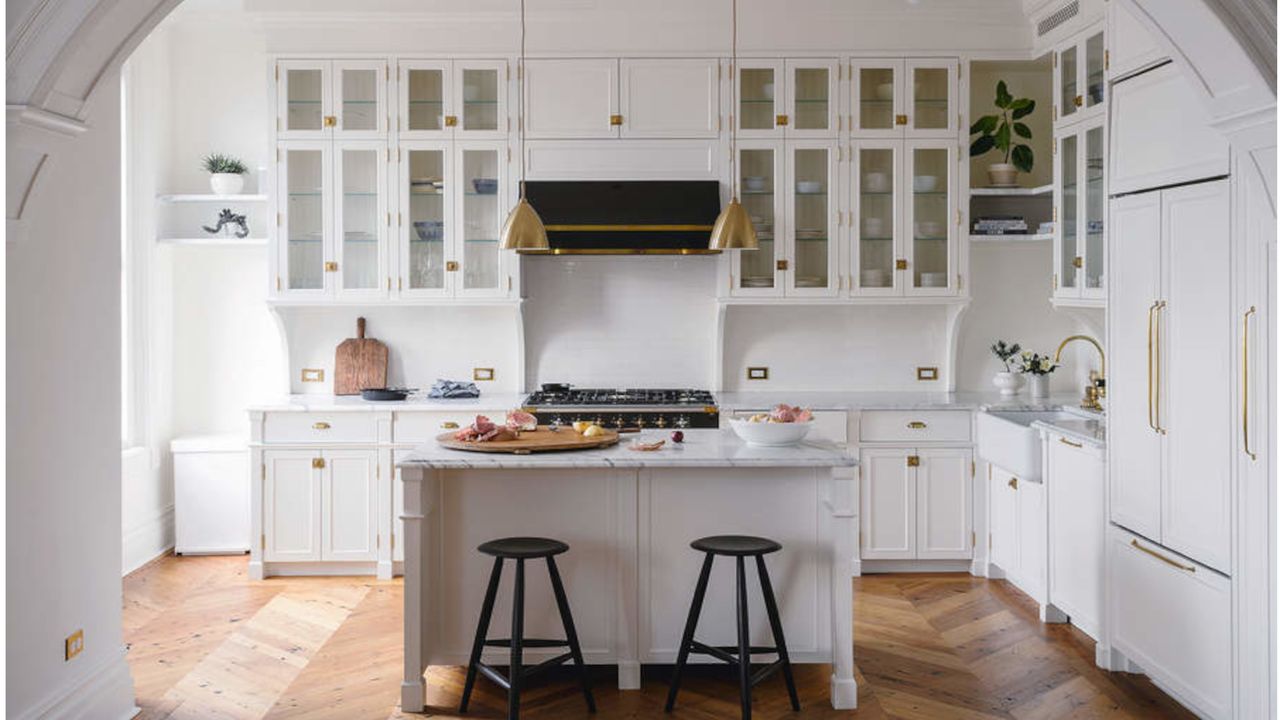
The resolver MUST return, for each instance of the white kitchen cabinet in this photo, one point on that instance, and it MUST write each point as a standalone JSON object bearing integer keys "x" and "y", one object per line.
{"x": 1132, "y": 49}
{"x": 788, "y": 98}
{"x": 1160, "y": 134}
{"x": 1172, "y": 617}
{"x": 916, "y": 503}
{"x": 1002, "y": 520}
{"x": 1079, "y": 77}
{"x": 670, "y": 97}
{"x": 291, "y": 506}
{"x": 571, "y": 98}
{"x": 1080, "y": 195}
{"x": 1075, "y": 476}
{"x": 905, "y": 98}
{"x": 762, "y": 191}
{"x": 329, "y": 99}
{"x": 1171, "y": 481}
{"x": 304, "y": 235}
{"x": 1032, "y": 549}
{"x": 349, "y": 527}
{"x": 443, "y": 99}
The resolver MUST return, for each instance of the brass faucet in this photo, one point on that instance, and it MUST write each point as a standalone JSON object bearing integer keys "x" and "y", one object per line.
{"x": 1097, "y": 387}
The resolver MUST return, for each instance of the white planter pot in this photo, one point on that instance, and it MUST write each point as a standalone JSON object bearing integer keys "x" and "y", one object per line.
{"x": 1010, "y": 383}
{"x": 1002, "y": 175}
{"x": 226, "y": 183}
{"x": 1040, "y": 387}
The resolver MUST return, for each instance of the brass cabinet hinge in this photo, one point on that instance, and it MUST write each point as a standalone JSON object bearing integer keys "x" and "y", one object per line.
{"x": 277, "y": 72}
{"x": 1106, "y": 59}
{"x": 393, "y": 541}
{"x": 973, "y": 539}
{"x": 279, "y": 219}
{"x": 278, "y": 283}
{"x": 377, "y": 543}
{"x": 973, "y": 468}
{"x": 388, "y": 283}
{"x": 1055, "y": 281}
{"x": 264, "y": 471}
{"x": 1055, "y": 59}
{"x": 959, "y": 281}
{"x": 264, "y": 541}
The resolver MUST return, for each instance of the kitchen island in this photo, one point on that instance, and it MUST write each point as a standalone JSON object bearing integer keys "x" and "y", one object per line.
{"x": 628, "y": 518}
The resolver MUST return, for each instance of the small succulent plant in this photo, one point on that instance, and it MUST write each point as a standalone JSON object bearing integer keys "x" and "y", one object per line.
{"x": 1006, "y": 352}
{"x": 217, "y": 163}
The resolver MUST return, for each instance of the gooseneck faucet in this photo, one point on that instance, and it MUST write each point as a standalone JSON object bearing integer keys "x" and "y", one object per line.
{"x": 1097, "y": 387}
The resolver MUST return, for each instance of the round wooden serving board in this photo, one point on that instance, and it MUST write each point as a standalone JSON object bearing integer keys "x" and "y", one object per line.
{"x": 540, "y": 440}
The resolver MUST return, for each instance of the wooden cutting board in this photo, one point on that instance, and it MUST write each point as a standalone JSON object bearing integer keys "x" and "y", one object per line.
{"x": 359, "y": 363}
{"x": 540, "y": 440}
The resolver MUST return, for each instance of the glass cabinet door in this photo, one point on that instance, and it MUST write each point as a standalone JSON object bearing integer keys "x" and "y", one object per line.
{"x": 812, "y": 99}
{"x": 424, "y": 87}
{"x": 760, "y": 98}
{"x": 1069, "y": 99}
{"x": 482, "y": 206}
{"x": 928, "y": 220}
{"x": 303, "y": 98}
{"x": 761, "y": 193}
{"x": 1067, "y": 257}
{"x": 304, "y": 173}
{"x": 932, "y": 110}
{"x": 480, "y": 103}
{"x": 361, "y": 217}
{"x": 425, "y": 189}
{"x": 360, "y": 93}
{"x": 876, "y": 170}
{"x": 877, "y": 97}
{"x": 1094, "y": 212}
{"x": 1094, "y": 66}
{"x": 811, "y": 220}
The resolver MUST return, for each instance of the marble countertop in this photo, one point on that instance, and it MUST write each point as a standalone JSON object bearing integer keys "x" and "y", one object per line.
{"x": 354, "y": 403}
{"x": 1092, "y": 431}
{"x": 701, "y": 448}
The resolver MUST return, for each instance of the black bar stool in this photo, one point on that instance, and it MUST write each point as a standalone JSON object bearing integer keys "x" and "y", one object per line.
{"x": 739, "y": 547}
{"x": 521, "y": 549}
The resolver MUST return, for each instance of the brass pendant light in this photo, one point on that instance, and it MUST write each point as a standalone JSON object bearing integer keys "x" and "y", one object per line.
{"x": 523, "y": 231}
{"x": 733, "y": 229}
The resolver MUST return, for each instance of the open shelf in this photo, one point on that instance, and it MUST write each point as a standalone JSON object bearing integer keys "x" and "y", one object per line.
{"x": 1010, "y": 238}
{"x": 1012, "y": 192}
{"x": 210, "y": 197}
{"x": 214, "y": 241}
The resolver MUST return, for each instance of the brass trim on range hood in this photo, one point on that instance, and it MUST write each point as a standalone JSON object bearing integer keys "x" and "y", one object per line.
{"x": 621, "y": 251}
{"x": 628, "y": 228}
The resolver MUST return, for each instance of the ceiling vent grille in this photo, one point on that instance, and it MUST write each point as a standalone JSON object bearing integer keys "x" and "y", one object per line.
{"x": 1058, "y": 17}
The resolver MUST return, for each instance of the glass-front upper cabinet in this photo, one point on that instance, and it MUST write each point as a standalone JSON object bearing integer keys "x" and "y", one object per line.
{"x": 481, "y": 208}
{"x": 331, "y": 99}
{"x": 304, "y": 171}
{"x": 361, "y": 218}
{"x": 762, "y": 194}
{"x": 447, "y": 99}
{"x": 904, "y": 98}
{"x": 1080, "y": 241}
{"x": 795, "y": 98}
{"x": 929, "y": 218}
{"x": 1080, "y": 76}
{"x": 425, "y": 221}
{"x": 876, "y": 198}
{"x": 812, "y": 253}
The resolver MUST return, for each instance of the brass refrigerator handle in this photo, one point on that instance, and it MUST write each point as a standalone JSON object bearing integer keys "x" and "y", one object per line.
{"x": 1161, "y": 558}
{"x": 1244, "y": 402}
{"x": 1150, "y": 354}
{"x": 1160, "y": 306}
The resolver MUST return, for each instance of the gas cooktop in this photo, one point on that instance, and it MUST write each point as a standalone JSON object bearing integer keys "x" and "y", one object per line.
{"x": 634, "y": 408}
{"x": 611, "y": 397}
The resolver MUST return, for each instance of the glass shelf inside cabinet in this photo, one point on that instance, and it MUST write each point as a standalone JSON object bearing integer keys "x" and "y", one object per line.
{"x": 426, "y": 219}
{"x": 303, "y": 101}
{"x": 931, "y": 265}
{"x": 756, "y": 99}
{"x": 931, "y": 98}
{"x": 426, "y": 101}
{"x": 360, "y": 99}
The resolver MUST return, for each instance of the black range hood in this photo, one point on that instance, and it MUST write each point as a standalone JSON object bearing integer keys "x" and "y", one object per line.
{"x": 626, "y": 217}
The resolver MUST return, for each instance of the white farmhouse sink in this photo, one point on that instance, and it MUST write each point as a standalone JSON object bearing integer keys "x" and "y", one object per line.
{"x": 1006, "y": 439}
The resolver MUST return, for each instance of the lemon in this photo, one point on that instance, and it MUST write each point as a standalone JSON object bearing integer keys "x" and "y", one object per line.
{"x": 593, "y": 431}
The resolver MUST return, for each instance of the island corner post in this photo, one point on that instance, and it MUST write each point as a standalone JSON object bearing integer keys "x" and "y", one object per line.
{"x": 628, "y": 521}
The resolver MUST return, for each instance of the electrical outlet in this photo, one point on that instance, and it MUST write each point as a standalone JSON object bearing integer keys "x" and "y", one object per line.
{"x": 74, "y": 644}
{"x": 757, "y": 373}
{"x": 926, "y": 373}
{"x": 312, "y": 374}
{"x": 482, "y": 374}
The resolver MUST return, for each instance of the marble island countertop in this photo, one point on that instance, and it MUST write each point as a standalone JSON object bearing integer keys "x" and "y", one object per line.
{"x": 701, "y": 448}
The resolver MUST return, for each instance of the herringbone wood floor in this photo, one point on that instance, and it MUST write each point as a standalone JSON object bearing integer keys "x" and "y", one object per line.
{"x": 205, "y": 642}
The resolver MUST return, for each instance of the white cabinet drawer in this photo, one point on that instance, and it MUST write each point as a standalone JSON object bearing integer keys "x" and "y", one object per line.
{"x": 905, "y": 426}
{"x": 293, "y": 427}
{"x": 421, "y": 427}
{"x": 1172, "y": 617}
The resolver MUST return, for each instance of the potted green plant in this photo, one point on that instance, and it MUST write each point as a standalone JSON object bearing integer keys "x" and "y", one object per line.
{"x": 1039, "y": 368}
{"x": 996, "y": 132}
{"x": 226, "y": 173}
{"x": 1009, "y": 381}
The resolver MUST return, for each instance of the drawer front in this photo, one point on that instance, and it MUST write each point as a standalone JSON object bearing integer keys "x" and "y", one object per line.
{"x": 904, "y": 426}
{"x": 411, "y": 428}
{"x": 1174, "y": 621}
{"x": 352, "y": 427}
{"x": 831, "y": 425}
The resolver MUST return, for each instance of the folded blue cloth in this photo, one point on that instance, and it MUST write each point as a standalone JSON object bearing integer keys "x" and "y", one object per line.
{"x": 454, "y": 389}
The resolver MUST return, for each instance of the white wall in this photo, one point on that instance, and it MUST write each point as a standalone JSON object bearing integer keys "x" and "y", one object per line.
{"x": 1032, "y": 80}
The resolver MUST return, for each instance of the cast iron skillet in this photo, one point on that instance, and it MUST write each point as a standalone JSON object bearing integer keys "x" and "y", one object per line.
{"x": 386, "y": 394}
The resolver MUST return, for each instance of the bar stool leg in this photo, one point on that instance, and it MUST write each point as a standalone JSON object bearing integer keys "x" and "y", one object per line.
{"x": 482, "y": 632}
{"x": 686, "y": 642}
{"x": 744, "y": 642}
{"x": 570, "y": 633}
{"x": 516, "y": 670}
{"x": 775, "y": 622}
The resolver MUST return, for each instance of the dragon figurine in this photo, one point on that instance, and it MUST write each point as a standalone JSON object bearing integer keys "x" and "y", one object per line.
{"x": 226, "y": 217}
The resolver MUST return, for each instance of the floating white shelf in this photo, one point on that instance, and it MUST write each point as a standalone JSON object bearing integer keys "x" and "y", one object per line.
{"x": 210, "y": 197}
{"x": 1010, "y": 238}
{"x": 1011, "y": 192}
{"x": 219, "y": 241}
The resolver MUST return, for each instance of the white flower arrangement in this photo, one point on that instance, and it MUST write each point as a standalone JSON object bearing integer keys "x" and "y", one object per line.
{"x": 1036, "y": 364}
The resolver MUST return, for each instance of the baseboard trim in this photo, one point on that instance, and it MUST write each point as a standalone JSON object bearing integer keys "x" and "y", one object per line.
{"x": 147, "y": 540}
{"x": 870, "y": 567}
{"x": 106, "y": 692}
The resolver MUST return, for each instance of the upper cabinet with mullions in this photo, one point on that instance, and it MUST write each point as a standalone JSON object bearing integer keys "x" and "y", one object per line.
{"x": 595, "y": 98}
{"x": 1079, "y": 77}
{"x": 913, "y": 98}
{"x": 331, "y": 99}
{"x": 443, "y": 99}
{"x": 788, "y": 98}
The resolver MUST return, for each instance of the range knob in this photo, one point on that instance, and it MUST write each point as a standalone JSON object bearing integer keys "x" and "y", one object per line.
{"x": 557, "y": 421}
{"x": 640, "y": 421}
{"x": 682, "y": 421}
{"x": 599, "y": 421}
{"x": 617, "y": 421}
{"x": 661, "y": 421}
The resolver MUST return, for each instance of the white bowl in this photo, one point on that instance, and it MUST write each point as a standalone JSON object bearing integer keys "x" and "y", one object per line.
{"x": 754, "y": 182}
{"x": 767, "y": 91}
{"x": 769, "y": 434}
{"x": 925, "y": 183}
{"x": 933, "y": 280}
{"x": 884, "y": 91}
{"x": 928, "y": 229}
{"x": 808, "y": 186}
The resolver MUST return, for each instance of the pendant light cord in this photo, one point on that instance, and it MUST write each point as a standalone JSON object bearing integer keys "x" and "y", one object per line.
{"x": 521, "y": 100}
{"x": 733, "y": 120}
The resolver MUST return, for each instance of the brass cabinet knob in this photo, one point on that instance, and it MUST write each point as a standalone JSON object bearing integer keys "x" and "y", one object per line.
{"x": 782, "y": 120}
{"x": 330, "y": 120}
{"x": 1077, "y": 261}
{"x": 317, "y": 463}
{"x": 615, "y": 120}
{"x": 320, "y": 426}
{"x": 450, "y": 120}
{"x": 900, "y": 119}
{"x": 901, "y": 264}
{"x": 331, "y": 266}
{"x": 451, "y": 266}
{"x": 782, "y": 265}
{"x": 1013, "y": 483}
{"x": 913, "y": 461}
{"x": 448, "y": 425}
{"x": 1078, "y": 100}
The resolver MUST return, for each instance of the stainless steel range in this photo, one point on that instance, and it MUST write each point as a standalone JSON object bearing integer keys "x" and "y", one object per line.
{"x": 630, "y": 408}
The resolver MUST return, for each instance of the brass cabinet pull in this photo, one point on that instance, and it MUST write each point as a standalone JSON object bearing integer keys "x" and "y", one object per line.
{"x": 900, "y": 264}
{"x": 1013, "y": 483}
{"x": 900, "y": 119}
{"x": 782, "y": 120}
{"x": 913, "y": 461}
{"x": 1151, "y": 422}
{"x": 917, "y": 425}
{"x": 448, "y": 425}
{"x": 320, "y": 426}
{"x": 330, "y": 120}
{"x": 1161, "y": 558}
{"x": 331, "y": 266}
{"x": 1078, "y": 100}
{"x": 1244, "y": 384}
{"x": 317, "y": 463}
{"x": 1159, "y": 362}
{"x": 450, "y": 120}
{"x": 615, "y": 120}
{"x": 782, "y": 265}
{"x": 1065, "y": 441}
{"x": 1077, "y": 262}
